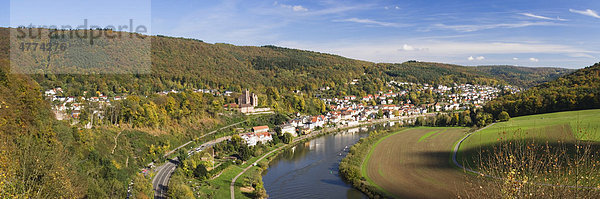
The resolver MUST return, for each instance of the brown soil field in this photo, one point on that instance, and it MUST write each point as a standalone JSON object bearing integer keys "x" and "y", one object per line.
{"x": 407, "y": 168}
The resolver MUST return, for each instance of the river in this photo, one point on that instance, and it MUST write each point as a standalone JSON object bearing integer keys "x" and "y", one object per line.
{"x": 310, "y": 169}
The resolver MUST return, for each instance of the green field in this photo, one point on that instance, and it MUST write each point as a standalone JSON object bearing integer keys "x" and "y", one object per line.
{"x": 582, "y": 125}
{"x": 559, "y": 149}
{"x": 415, "y": 163}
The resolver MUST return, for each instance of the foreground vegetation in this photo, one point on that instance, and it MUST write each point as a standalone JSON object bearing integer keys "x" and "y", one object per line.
{"x": 551, "y": 155}
{"x": 537, "y": 169}
{"x": 45, "y": 158}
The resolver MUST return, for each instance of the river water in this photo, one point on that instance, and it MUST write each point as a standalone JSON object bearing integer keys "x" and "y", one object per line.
{"x": 310, "y": 169}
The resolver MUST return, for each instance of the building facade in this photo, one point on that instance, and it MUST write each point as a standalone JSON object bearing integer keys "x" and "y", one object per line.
{"x": 247, "y": 101}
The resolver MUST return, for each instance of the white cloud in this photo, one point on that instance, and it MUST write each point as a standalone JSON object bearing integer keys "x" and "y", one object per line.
{"x": 295, "y": 8}
{"x": 406, "y": 47}
{"x": 479, "y": 58}
{"x": 534, "y": 59}
{"x": 338, "y": 9}
{"x": 369, "y": 21}
{"x": 471, "y": 28}
{"x": 299, "y": 8}
{"x": 585, "y": 55}
{"x": 542, "y": 17}
{"x": 587, "y": 12}
{"x": 397, "y": 8}
{"x": 514, "y": 58}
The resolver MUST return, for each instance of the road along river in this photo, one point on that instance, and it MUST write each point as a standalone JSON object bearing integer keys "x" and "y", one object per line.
{"x": 310, "y": 169}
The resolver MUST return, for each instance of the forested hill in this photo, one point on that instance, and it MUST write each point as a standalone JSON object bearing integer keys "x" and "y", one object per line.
{"x": 447, "y": 73}
{"x": 180, "y": 64}
{"x": 32, "y": 159}
{"x": 576, "y": 91}
{"x": 523, "y": 76}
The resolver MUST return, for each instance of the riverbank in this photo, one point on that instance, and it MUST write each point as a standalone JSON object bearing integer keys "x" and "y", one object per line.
{"x": 419, "y": 166}
{"x": 253, "y": 172}
{"x": 351, "y": 167}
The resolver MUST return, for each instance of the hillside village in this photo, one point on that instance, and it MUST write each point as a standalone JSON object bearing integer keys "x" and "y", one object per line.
{"x": 346, "y": 110}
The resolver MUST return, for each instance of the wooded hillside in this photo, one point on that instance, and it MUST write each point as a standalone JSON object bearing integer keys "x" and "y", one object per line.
{"x": 576, "y": 91}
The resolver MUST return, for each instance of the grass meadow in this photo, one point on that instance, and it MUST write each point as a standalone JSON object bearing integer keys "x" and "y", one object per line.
{"x": 554, "y": 155}
{"x": 581, "y": 125}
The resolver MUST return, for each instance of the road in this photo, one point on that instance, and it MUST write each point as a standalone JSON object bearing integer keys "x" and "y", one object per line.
{"x": 457, "y": 146}
{"x": 232, "y": 185}
{"x": 160, "y": 182}
{"x": 209, "y": 133}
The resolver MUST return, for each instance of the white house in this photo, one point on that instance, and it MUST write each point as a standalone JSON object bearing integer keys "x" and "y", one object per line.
{"x": 260, "y": 129}
{"x": 253, "y": 138}
{"x": 288, "y": 128}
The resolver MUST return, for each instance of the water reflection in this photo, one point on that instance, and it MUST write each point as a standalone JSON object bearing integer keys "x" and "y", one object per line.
{"x": 310, "y": 169}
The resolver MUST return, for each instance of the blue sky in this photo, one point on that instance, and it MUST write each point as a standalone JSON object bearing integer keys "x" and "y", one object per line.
{"x": 527, "y": 33}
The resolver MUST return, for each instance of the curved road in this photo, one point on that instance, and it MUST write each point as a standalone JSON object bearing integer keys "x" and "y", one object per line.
{"x": 457, "y": 146}
{"x": 160, "y": 182}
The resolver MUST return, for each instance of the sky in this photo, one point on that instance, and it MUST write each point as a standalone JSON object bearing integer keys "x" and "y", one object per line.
{"x": 555, "y": 33}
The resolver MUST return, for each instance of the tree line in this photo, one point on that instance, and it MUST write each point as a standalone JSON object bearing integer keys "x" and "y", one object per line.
{"x": 576, "y": 91}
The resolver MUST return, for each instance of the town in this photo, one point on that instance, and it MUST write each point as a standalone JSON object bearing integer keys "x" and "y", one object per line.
{"x": 341, "y": 111}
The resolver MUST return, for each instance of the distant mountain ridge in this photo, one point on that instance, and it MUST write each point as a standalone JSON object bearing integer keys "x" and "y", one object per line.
{"x": 179, "y": 63}
{"x": 524, "y": 76}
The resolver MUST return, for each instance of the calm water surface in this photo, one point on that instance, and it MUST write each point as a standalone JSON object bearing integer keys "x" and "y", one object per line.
{"x": 310, "y": 169}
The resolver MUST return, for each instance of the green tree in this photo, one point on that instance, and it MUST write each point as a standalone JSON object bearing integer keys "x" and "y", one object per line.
{"x": 287, "y": 138}
{"x": 503, "y": 116}
{"x": 245, "y": 153}
{"x": 420, "y": 121}
{"x": 182, "y": 155}
{"x": 201, "y": 172}
{"x": 179, "y": 190}
{"x": 259, "y": 190}
{"x": 142, "y": 187}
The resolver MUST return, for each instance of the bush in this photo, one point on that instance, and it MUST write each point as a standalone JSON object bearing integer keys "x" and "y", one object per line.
{"x": 287, "y": 138}
{"x": 201, "y": 172}
{"x": 503, "y": 116}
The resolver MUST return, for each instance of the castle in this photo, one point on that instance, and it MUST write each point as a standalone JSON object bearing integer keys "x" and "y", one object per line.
{"x": 247, "y": 101}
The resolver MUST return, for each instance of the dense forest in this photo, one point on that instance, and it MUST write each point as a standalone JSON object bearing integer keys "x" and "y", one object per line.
{"x": 178, "y": 63}
{"x": 576, "y": 91}
{"x": 525, "y": 77}
{"x": 30, "y": 152}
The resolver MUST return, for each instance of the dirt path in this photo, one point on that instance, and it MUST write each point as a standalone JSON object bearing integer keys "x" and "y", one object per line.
{"x": 407, "y": 168}
{"x": 115, "y": 147}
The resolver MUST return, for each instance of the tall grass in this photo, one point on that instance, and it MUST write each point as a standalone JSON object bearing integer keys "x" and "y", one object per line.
{"x": 534, "y": 168}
